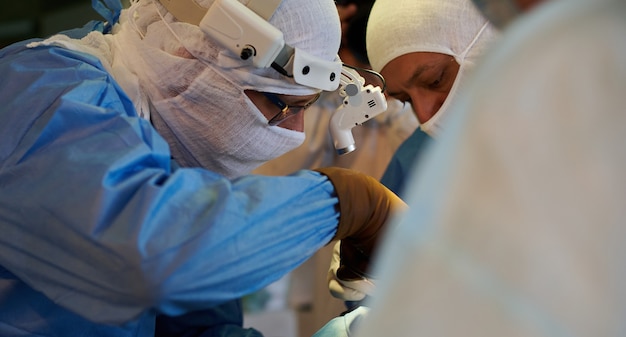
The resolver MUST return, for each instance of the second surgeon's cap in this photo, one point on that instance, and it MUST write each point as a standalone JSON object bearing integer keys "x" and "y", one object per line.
{"x": 452, "y": 27}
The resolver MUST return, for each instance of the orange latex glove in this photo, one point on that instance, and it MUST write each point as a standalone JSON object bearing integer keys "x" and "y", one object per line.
{"x": 365, "y": 207}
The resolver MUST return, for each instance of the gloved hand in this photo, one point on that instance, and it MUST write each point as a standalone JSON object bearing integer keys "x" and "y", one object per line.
{"x": 365, "y": 207}
{"x": 355, "y": 290}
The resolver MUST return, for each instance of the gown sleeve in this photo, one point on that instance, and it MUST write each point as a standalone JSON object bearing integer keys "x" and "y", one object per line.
{"x": 93, "y": 215}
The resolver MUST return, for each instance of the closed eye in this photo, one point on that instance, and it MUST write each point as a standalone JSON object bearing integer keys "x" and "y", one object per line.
{"x": 436, "y": 83}
{"x": 402, "y": 98}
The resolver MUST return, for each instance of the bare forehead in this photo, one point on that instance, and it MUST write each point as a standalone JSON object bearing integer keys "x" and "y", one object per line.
{"x": 415, "y": 60}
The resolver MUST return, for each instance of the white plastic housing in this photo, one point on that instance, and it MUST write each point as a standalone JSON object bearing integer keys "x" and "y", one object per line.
{"x": 355, "y": 111}
{"x": 237, "y": 27}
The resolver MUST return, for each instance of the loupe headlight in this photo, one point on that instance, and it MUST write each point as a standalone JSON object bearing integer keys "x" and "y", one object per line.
{"x": 310, "y": 70}
{"x": 246, "y": 32}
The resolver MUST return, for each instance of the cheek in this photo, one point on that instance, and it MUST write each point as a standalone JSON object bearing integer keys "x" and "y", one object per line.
{"x": 295, "y": 123}
{"x": 183, "y": 52}
{"x": 392, "y": 82}
{"x": 269, "y": 110}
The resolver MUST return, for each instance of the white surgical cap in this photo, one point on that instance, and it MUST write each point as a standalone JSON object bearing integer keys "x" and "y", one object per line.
{"x": 312, "y": 26}
{"x": 452, "y": 27}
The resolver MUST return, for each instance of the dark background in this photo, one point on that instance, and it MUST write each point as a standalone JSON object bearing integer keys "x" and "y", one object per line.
{"x": 23, "y": 19}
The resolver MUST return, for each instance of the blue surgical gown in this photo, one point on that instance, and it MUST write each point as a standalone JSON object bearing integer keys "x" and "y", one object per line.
{"x": 100, "y": 232}
{"x": 406, "y": 156}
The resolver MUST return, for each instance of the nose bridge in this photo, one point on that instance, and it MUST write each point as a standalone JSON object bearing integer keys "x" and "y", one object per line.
{"x": 425, "y": 104}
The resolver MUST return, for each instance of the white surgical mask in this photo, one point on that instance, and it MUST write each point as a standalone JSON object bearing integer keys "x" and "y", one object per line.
{"x": 235, "y": 137}
{"x": 433, "y": 126}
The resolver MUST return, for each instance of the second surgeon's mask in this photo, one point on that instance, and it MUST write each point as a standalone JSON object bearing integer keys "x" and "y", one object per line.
{"x": 451, "y": 27}
{"x": 192, "y": 89}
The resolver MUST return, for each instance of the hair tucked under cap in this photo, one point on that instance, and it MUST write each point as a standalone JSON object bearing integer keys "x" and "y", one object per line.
{"x": 398, "y": 27}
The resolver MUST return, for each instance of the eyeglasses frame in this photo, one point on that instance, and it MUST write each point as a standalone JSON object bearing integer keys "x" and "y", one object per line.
{"x": 286, "y": 110}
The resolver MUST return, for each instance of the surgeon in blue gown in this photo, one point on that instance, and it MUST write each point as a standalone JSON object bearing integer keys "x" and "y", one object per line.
{"x": 123, "y": 161}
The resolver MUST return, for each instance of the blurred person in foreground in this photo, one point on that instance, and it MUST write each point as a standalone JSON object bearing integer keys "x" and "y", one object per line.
{"x": 517, "y": 217}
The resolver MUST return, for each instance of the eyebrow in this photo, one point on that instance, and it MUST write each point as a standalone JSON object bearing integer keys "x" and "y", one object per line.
{"x": 298, "y": 101}
{"x": 416, "y": 74}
